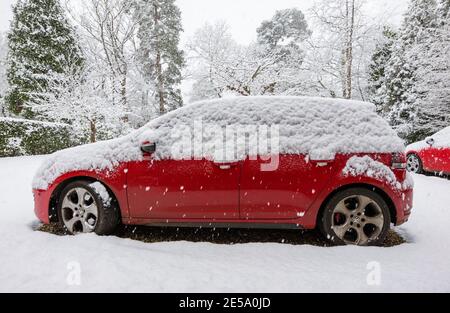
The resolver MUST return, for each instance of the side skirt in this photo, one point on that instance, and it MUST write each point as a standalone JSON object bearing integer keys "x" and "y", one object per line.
{"x": 231, "y": 225}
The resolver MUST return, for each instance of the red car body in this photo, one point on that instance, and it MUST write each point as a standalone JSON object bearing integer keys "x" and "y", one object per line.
{"x": 201, "y": 192}
{"x": 433, "y": 152}
{"x": 159, "y": 185}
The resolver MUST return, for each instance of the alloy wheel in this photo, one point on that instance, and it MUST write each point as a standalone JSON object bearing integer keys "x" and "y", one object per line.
{"x": 413, "y": 164}
{"x": 79, "y": 211}
{"x": 358, "y": 220}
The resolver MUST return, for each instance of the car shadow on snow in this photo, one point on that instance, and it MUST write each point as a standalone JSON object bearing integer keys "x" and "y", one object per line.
{"x": 222, "y": 236}
{"x": 436, "y": 174}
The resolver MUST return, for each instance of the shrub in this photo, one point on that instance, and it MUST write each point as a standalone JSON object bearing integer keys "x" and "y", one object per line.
{"x": 20, "y": 137}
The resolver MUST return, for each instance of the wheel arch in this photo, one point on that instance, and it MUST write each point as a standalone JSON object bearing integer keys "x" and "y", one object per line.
{"x": 379, "y": 191}
{"x": 54, "y": 198}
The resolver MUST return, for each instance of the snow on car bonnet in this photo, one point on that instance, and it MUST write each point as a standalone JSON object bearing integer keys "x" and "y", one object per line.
{"x": 318, "y": 127}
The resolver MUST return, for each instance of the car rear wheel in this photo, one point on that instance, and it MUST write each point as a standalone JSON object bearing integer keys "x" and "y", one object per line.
{"x": 86, "y": 207}
{"x": 414, "y": 164}
{"x": 356, "y": 217}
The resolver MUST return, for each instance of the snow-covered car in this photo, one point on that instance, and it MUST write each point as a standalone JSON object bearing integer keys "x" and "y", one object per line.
{"x": 252, "y": 162}
{"x": 430, "y": 155}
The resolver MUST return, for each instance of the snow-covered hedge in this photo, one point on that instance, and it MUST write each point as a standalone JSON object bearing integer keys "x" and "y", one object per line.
{"x": 20, "y": 137}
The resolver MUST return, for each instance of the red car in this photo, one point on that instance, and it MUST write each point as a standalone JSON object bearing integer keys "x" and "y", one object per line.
{"x": 256, "y": 162}
{"x": 431, "y": 155}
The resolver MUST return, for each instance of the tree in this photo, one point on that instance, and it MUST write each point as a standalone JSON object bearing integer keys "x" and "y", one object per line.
{"x": 429, "y": 95}
{"x": 211, "y": 47}
{"x": 377, "y": 69}
{"x": 159, "y": 28}
{"x": 340, "y": 30}
{"x": 84, "y": 102}
{"x": 287, "y": 27}
{"x": 284, "y": 37}
{"x": 41, "y": 42}
{"x": 224, "y": 67}
{"x": 3, "y": 82}
{"x": 415, "y": 76}
{"x": 443, "y": 10}
{"x": 110, "y": 33}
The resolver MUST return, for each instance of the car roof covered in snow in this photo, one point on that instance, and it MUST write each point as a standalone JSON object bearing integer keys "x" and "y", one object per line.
{"x": 263, "y": 110}
{"x": 320, "y": 127}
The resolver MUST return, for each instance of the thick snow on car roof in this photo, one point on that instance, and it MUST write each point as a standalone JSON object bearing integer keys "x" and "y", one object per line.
{"x": 318, "y": 127}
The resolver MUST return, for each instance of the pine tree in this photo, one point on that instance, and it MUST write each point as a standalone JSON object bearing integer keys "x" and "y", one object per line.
{"x": 377, "y": 69}
{"x": 444, "y": 9}
{"x": 430, "y": 93}
{"x": 3, "y": 84}
{"x": 159, "y": 28}
{"x": 287, "y": 27}
{"x": 41, "y": 42}
{"x": 281, "y": 37}
{"x": 402, "y": 71}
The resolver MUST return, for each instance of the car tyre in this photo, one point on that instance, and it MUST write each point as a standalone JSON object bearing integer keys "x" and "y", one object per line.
{"x": 356, "y": 216}
{"x": 83, "y": 209}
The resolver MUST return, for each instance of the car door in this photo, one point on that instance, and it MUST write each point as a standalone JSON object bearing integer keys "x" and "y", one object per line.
{"x": 185, "y": 189}
{"x": 428, "y": 157}
{"x": 445, "y": 157}
{"x": 285, "y": 193}
{"x": 437, "y": 159}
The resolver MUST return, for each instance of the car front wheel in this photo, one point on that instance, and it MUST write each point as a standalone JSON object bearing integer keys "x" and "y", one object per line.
{"x": 414, "y": 164}
{"x": 86, "y": 207}
{"x": 356, "y": 217}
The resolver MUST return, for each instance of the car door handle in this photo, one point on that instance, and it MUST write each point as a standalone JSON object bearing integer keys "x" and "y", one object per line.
{"x": 322, "y": 163}
{"x": 226, "y": 166}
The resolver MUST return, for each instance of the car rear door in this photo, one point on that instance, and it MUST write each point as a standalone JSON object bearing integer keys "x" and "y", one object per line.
{"x": 285, "y": 193}
{"x": 185, "y": 189}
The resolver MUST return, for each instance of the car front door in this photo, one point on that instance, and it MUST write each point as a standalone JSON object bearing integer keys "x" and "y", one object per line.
{"x": 185, "y": 189}
{"x": 284, "y": 193}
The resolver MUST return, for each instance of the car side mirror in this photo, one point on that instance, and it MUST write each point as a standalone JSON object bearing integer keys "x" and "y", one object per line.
{"x": 148, "y": 148}
{"x": 430, "y": 142}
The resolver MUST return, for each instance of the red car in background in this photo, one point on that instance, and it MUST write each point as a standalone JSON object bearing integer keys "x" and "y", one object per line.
{"x": 430, "y": 155}
{"x": 338, "y": 167}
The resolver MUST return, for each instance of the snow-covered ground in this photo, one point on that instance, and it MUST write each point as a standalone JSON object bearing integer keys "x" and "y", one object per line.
{"x": 32, "y": 261}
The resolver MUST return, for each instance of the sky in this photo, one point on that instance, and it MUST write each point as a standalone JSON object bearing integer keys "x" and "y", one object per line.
{"x": 243, "y": 16}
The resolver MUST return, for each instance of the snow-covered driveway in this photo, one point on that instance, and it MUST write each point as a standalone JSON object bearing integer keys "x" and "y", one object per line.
{"x": 35, "y": 261}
